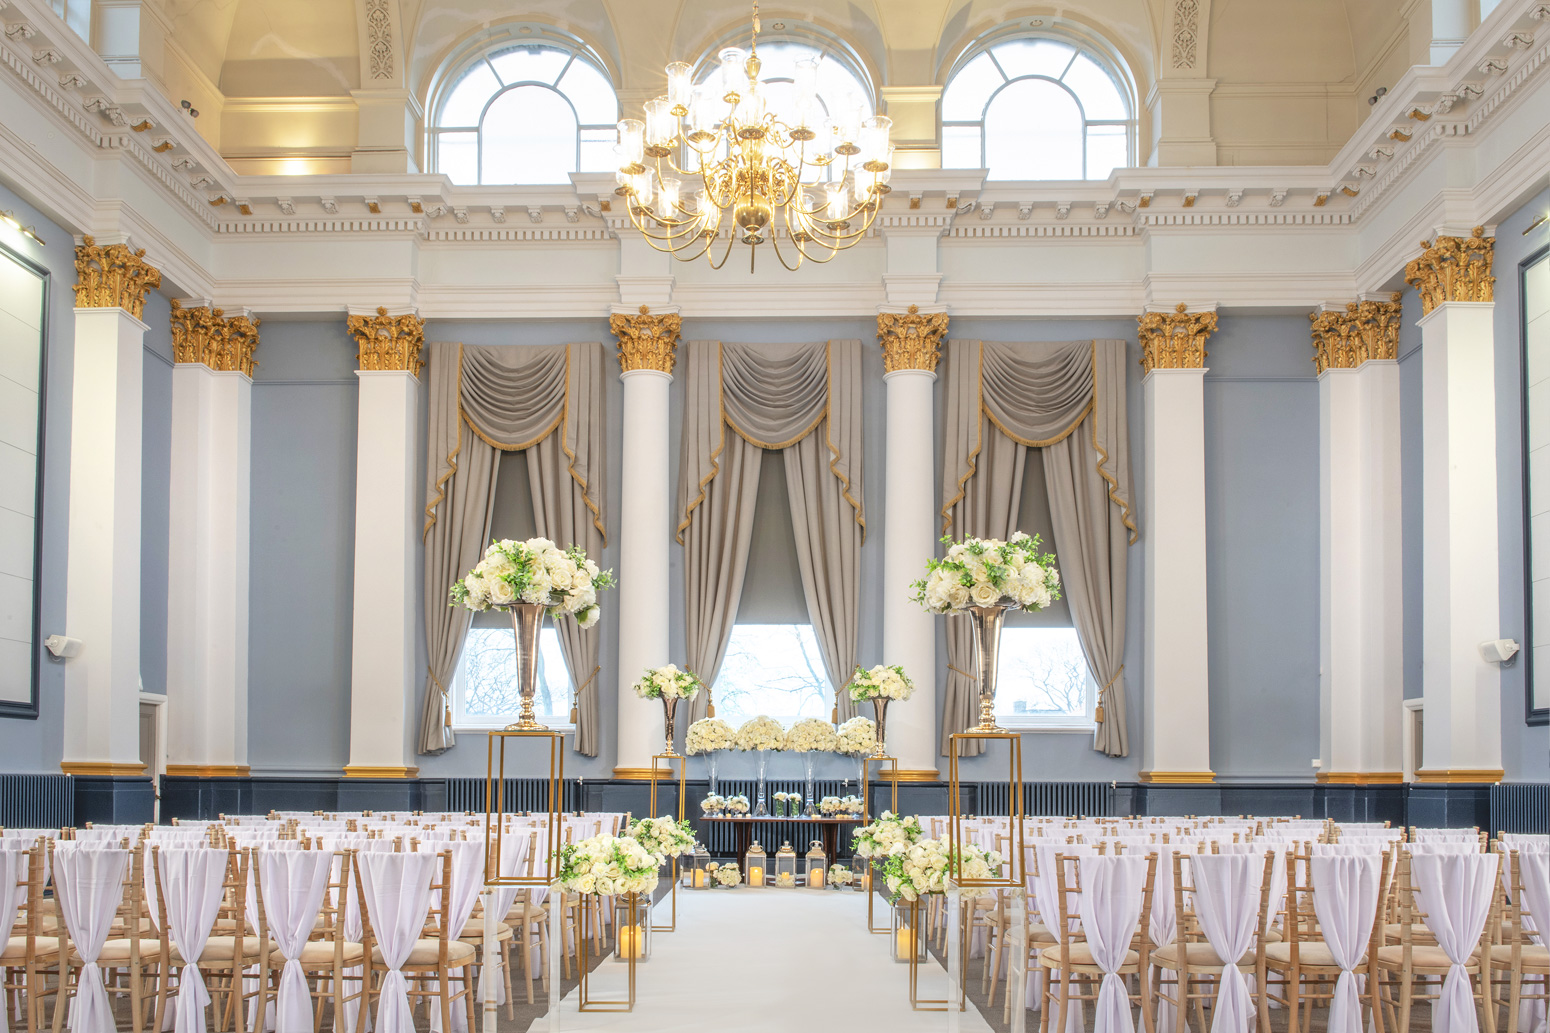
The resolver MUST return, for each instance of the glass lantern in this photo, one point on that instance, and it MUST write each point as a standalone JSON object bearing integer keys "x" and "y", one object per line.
{"x": 632, "y": 925}
{"x": 863, "y": 880}
{"x": 756, "y": 867}
{"x": 700, "y": 876}
{"x": 816, "y": 868}
{"x": 785, "y": 866}
{"x": 909, "y": 931}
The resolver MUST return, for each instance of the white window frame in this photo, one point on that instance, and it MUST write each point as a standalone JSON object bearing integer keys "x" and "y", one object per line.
{"x": 1063, "y": 723}
{"x": 464, "y": 722}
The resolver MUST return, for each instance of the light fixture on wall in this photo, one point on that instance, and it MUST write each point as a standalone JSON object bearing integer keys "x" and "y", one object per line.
{"x": 9, "y": 219}
{"x": 768, "y": 170}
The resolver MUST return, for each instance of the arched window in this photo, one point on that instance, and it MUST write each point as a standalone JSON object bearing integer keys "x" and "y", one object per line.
{"x": 1037, "y": 108}
{"x": 525, "y": 113}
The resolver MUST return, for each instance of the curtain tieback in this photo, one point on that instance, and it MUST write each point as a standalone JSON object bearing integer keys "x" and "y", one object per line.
{"x": 1098, "y": 713}
{"x": 575, "y": 707}
{"x": 965, "y": 674}
{"x": 446, "y": 700}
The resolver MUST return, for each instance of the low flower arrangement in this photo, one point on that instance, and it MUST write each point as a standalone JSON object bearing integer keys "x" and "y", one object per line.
{"x": 811, "y": 735}
{"x": 608, "y": 865}
{"x": 881, "y": 682}
{"x": 535, "y": 571}
{"x": 736, "y": 804}
{"x": 989, "y": 572}
{"x": 780, "y": 803}
{"x": 761, "y": 733}
{"x": 836, "y": 806}
{"x": 888, "y": 836}
{"x": 663, "y": 836}
{"x": 727, "y": 875}
{"x": 840, "y": 876}
{"x": 709, "y": 734}
{"x": 668, "y": 683}
{"x": 858, "y": 735}
{"x": 785, "y": 880}
{"x": 713, "y": 805}
{"x": 925, "y": 866}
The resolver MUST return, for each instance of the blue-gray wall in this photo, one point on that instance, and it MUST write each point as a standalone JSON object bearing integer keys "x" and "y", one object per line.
{"x": 155, "y": 493}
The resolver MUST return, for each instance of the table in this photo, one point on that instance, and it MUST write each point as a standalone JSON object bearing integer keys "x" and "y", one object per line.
{"x": 743, "y": 826}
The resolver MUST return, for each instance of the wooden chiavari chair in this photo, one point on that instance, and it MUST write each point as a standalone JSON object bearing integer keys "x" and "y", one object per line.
{"x": 28, "y": 953}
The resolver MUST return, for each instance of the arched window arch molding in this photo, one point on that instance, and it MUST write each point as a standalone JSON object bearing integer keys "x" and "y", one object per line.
{"x": 805, "y": 33}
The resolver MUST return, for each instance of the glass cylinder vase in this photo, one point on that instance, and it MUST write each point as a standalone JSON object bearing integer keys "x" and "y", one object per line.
{"x": 808, "y": 760}
{"x": 710, "y": 773}
{"x": 760, "y": 808}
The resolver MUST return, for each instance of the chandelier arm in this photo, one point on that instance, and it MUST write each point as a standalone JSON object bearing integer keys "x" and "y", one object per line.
{"x": 649, "y": 235}
{"x": 731, "y": 239}
{"x": 775, "y": 239}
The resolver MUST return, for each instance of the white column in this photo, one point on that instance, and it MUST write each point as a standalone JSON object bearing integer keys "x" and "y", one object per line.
{"x": 909, "y": 631}
{"x": 102, "y": 585}
{"x": 1175, "y": 684}
{"x": 1462, "y": 693}
{"x": 207, "y": 578}
{"x": 645, "y": 538}
{"x": 383, "y": 682}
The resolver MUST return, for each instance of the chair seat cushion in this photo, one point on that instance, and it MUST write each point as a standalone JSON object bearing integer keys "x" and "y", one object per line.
{"x": 1534, "y": 957}
{"x": 473, "y": 932}
{"x": 15, "y": 948}
{"x": 1310, "y": 954}
{"x": 118, "y": 951}
{"x": 321, "y": 952}
{"x": 428, "y": 952}
{"x": 221, "y": 948}
{"x": 1081, "y": 957}
{"x": 1434, "y": 960}
{"x": 1199, "y": 956}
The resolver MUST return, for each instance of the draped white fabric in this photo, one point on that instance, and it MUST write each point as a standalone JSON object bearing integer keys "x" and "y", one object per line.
{"x": 89, "y": 884}
{"x": 293, "y": 883}
{"x": 1455, "y": 896}
{"x": 467, "y": 881}
{"x": 1226, "y": 894}
{"x": 13, "y": 868}
{"x": 1535, "y": 875}
{"x": 191, "y": 883}
{"x": 1164, "y": 923}
{"x": 397, "y": 888}
{"x": 1345, "y": 899}
{"x": 1111, "y": 912}
{"x": 513, "y": 860}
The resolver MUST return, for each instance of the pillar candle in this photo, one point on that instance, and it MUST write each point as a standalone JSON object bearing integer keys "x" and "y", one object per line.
{"x": 815, "y": 878}
{"x": 632, "y": 941}
{"x": 906, "y": 943}
{"x": 756, "y": 876}
{"x": 699, "y": 878}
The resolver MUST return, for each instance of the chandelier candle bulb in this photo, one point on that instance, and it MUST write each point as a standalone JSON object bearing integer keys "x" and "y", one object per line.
{"x": 668, "y": 196}
{"x": 632, "y": 146}
{"x": 734, "y": 80}
{"x": 874, "y": 142}
{"x": 680, "y": 87}
{"x": 839, "y": 204}
{"x": 661, "y": 127}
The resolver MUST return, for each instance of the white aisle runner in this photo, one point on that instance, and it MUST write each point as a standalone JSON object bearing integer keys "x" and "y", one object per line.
{"x": 767, "y": 961}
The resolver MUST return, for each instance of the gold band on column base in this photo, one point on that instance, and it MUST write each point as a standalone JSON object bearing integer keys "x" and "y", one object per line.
{"x": 210, "y": 770}
{"x": 902, "y": 775}
{"x": 87, "y": 767}
{"x": 634, "y": 774}
{"x": 1459, "y": 776}
{"x": 1360, "y": 778}
{"x": 365, "y": 771}
{"x": 1177, "y": 777}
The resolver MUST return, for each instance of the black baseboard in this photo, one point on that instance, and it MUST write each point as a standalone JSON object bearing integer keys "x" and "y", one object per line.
{"x": 114, "y": 799}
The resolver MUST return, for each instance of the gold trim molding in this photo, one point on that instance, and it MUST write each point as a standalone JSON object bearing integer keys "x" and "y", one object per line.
{"x": 1453, "y": 269}
{"x": 113, "y": 276}
{"x": 642, "y": 774}
{"x": 911, "y": 339}
{"x": 210, "y": 770}
{"x": 208, "y": 335}
{"x": 1177, "y": 777}
{"x": 646, "y": 341}
{"x": 1360, "y": 778}
{"x": 902, "y": 775}
{"x": 367, "y": 771}
{"x": 389, "y": 342}
{"x": 1365, "y": 330}
{"x": 1175, "y": 340}
{"x": 1461, "y": 776}
{"x": 82, "y": 767}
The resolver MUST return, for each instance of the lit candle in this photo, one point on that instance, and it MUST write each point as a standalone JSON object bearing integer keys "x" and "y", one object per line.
{"x": 815, "y": 878}
{"x": 699, "y": 878}
{"x": 631, "y": 941}
{"x": 756, "y": 876}
{"x": 906, "y": 942}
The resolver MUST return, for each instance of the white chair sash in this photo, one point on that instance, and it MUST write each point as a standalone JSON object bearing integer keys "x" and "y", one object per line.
{"x": 1112, "y": 889}
{"x": 1535, "y": 876}
{"x": 13, "y": 869}
{"x": 1345, "y": 899}
{"x": 467, "y": 881}
{"x": 293, "y": 883}
{"x": 192, "y": 879}
{"x": 1455, "y": 892}
{"x": 397, "y": 888}
{"x": 1226, "y": 893}
{"x": 89, "y": 884}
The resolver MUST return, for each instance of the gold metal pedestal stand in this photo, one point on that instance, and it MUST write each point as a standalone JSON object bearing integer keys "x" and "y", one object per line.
{"x": 495, "y": 807}
{"x": 890, "y": 765}
{"x": 585, "y": 1000}
{"x": 918, "y": 1003}
{"x": 661, "y": 768}
{"x": 1012, "y": 870}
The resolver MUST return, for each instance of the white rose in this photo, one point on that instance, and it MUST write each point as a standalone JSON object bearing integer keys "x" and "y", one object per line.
{"x": 985, "y": 594}
{"x": 958, "y": 597}
{"x": 501, "y": 593}
{"x": 588, "y": 617}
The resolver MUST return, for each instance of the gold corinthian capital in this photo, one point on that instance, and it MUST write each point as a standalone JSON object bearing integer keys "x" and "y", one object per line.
{"x": 911, "y": 339}
{"x": 208, "y": 335}
{"x": 646, "y": 341}
{"x": 113, "y": 276}
{"x": 389, "y": 342}
{"x": 1364, "y": 331}
{"x": 1175, "y": 340}
{"x": 1453, "y": 269}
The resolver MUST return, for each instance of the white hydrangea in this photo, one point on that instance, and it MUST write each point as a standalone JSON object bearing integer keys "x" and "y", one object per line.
{"x": 858, "y": 735}
{"x": 761, "y": 733}
{"x": 709, "y": 734}
{"x": 728, "y": 874}
{"x": 811, "y": 736}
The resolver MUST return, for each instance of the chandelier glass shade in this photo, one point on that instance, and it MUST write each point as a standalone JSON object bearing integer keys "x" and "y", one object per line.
{"x": 729, "y": 160}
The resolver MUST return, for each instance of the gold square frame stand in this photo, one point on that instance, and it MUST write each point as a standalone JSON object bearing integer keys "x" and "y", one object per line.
{"x": 890, "y": 765}
{"x": 495, "y": 806}
{"x": 917, "y": 1002}
{"x": 662, "y": 767}
{"x": 585, "y": 1000}
{"x": 1013, "y": 866}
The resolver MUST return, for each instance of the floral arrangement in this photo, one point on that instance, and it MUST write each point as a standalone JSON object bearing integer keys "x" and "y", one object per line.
{"x": 888, "y": 836}
{"x": 839, "y": 876}
{"x": 663, "y": 836}
{"x": 780, "y": 803}
{"x": 725, "y": 874}
{"x": 761, "y": 733}
{"x": 736, "y": 804}
{"x": 785, "y": 880}
{"x": 713, "y": 804}
{"x": 833, "y": 806}
{"x": 709, "y": 734}
{"x": 881, "y": 682}
{"x": 668, "y": 682}
{"x": 858, "y": 735}
{"x": 811, "y": 735}
{"x": 608, "y": 865}
{"x": 535, "y": 571}
{"x": 926, "y": 866}
{"x": 988, "y": 571}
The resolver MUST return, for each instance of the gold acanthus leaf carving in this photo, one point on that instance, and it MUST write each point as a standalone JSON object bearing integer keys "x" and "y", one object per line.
{"x": 646, "y": 341}
{"x": 113, "y": 276}
{"x": 208, "y": 335}
{"x": 389, "y": 342}
{"x": 1175, "y": 340}
{"x": 1365, "y": 330}
{"x": 1453, "y": 269}
{"x": 911, "y": 339}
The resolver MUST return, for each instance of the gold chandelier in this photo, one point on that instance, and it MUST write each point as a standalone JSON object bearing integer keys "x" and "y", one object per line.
{"x": 823, "y": 176}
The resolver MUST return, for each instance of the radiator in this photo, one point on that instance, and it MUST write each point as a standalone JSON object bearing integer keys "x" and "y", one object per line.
{"x": 37, "y": 801}
{"x": 1047, "y": 799}
{"x": 1520, "y": 808}
{"x": 519, "y": 794}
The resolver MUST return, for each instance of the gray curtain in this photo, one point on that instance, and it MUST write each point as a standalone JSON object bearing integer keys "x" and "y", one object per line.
{"x": 544, "y": 401}
{"x": 1068, "y": 399}
{"x": 801, "y": 400}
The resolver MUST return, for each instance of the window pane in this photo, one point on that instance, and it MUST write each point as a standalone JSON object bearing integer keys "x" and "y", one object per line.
{"x": 466, "y": 101}
{"x": 597, "y": 150}
{"x": 592, "y": 94}
{"x": 961, "y": 147}
{"x": 1021, "y": 57}
{"x": 964, "y": 99}
{"x": 1106, "y": 150}
{"x": 489, "y": 670}
{"x": 1033, "y": 130}
{"x": 529, "y": 137}
{"x": 772, "y": 669}
{"x": 457, "y": 155}
{"x": 533, "y": 63}
{"x": 1042, "y": 673}
{"x": 1101, "y": 98}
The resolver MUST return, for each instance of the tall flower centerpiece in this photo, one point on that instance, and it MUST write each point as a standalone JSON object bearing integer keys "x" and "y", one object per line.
{"x": 881, "y": 685}
{"x": 761, "y": 734}
{"x": 669, "y": 685}
{"x": 663, "y": 837}
{"x": 609, "y": 866}
{"x": 532, "y": 580}
{"x": 810, "y": 737}
{"x": 858, "y": 737}
{"x": 709, "y": 736}
{"x": 984, "y": 578}
{"x": 925, "y": 866}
